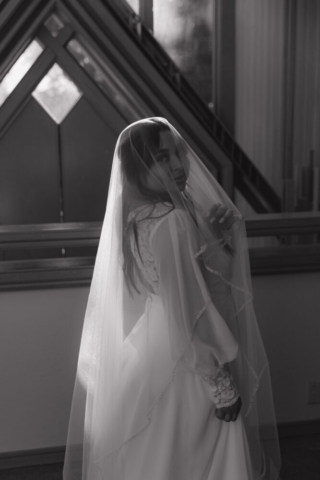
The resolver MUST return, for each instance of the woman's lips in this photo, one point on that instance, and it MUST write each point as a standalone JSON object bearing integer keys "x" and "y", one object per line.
{"x": 180, "y": 179}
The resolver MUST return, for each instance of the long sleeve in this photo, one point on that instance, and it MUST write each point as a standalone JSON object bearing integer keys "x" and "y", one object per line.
{"x": 200, "y": 338}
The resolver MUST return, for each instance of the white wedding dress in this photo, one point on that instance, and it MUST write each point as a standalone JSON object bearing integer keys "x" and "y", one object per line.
{"x": 181, "y": 439}
{"x": 153, "y": 367}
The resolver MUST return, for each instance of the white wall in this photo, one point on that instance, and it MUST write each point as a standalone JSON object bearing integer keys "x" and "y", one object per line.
{"x": 40, "y": 336}
{"x": 288, "y": 312}
{"x": 39, "y": 342}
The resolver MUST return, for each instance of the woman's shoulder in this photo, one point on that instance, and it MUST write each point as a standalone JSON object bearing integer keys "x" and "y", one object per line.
{"x": 150, "y": 211}
{"x": 175, "y": 222}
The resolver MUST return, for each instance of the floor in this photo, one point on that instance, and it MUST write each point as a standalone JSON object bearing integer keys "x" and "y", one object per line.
{"x": 300, "y": 461}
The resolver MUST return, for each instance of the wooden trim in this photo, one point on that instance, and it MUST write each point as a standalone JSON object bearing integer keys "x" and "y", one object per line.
{"x": 286, "y": 259}
{"x": 272, "y": 224}
{"x": 50, "y": 235}
{"x": 16, "y": 236}
{"x": 20, "y": 95}
{"x": 24, "y": 12}
{"x": 8, "y": 11}
{"x": 77, "y": 271}
{"x": 289, "y": 80}
{"x": 224, "y": 57}
{"x": 146, "y": 13}
{"x": 46, "y": 273}
{"x": 27, "y": 458}
{"x": 24, "y": 35}
{"x": 304, "y": 428}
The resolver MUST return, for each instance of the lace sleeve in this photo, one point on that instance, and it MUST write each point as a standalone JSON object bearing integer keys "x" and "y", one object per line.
{"x": 221, "y": 388}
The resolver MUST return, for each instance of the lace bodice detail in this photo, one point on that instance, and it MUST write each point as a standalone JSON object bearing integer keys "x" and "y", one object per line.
{"x": 143, "y": 256}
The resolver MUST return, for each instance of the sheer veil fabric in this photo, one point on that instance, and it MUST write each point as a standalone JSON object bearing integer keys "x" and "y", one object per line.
{"x": 141, "y": 407}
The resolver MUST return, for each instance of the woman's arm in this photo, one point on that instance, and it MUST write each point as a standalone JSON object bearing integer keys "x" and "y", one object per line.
{"x": 200, "y": 337}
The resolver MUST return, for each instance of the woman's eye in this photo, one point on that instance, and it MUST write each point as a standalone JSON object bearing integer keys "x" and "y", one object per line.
{"x": 164, "y": 158}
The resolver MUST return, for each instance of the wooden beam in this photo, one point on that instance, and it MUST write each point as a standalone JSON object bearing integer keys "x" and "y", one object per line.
{"x": 224, "y": 62}
{"x": 146, "y": 13}
{"x": 23, "y": 36}
{"x": 270, "y": 224}
{"x": 50, "y": 235}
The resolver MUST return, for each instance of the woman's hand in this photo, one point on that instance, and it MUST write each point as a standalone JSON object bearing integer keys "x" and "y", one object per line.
{"x": 229, "y": 414}
{"x": 226, "y": 217}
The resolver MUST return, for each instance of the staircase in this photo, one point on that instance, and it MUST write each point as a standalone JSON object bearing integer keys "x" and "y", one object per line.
{"x": 247, "y": 178}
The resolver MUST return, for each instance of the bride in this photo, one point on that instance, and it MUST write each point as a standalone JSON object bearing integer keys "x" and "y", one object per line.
{"x": 172, "y": 380}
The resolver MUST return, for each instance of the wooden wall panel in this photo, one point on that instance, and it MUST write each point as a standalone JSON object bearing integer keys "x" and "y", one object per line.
{"x": 259, "y": 84}
{"x": 87, "y": 147}
{"x": 29, "y": 169}
{"x": 307, "y": 83}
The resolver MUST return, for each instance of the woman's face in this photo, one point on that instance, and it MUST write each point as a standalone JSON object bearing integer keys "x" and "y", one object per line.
{"x": 167, "y": 166}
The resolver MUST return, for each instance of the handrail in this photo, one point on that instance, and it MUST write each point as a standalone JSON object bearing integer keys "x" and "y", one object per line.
{"x": 50, "y": 235}
{"x": 77, "y": 271}
{"x": 288, "y": 223}
{"x": 88, "y": 233}
{"x": 248, "y": 179}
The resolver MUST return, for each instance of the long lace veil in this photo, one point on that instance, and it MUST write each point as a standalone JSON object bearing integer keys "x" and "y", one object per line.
{"x": 100, "y": 435}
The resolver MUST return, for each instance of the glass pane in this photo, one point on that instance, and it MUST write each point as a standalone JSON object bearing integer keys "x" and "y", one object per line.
{"x": 185, "y": 30}
{"x": 54, "y": 25}
{"x": 134, "y": 4}
{"x": 57, "y": 94}
{"x": 19, "y": 69}
{"x": 107, "y": 81}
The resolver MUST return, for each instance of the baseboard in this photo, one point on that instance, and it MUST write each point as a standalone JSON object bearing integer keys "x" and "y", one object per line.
{"x": 28, "y": 458}
{"x": 305, "y": 428}
{"x": 44, "y": 456}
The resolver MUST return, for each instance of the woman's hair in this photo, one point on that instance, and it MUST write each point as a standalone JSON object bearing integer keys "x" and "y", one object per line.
{"x": 136, "y": 153}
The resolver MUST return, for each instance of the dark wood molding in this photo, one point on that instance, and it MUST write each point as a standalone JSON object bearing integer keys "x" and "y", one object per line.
{"x": 300, "y": 223}
{"x": 50, "y": 235}
{"x": 77, "y": 271}
{"x": 18, "y": 28}
{"x": 46, "y": 273}
{"x": 224, "y": 63}
{"x": 286, "y": 259}
{"x": 146, "y": 13}
{"x": 27, "y": 458}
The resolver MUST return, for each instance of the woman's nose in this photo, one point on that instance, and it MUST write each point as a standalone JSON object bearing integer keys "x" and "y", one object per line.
{"x": 176, "y": 163}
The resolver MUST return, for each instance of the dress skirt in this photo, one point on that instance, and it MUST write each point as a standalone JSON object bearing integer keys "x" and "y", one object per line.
{"x": 170, "y": 430}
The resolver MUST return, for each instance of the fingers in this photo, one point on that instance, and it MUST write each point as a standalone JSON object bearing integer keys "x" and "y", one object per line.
{"x": 226, "y": 416}
{"x": 226, "y": 217}
{"x": 229, "y": 414}
{"x": 219, "y": 413}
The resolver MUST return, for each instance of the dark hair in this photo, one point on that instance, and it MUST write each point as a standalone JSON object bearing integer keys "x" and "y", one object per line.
{"x": 136, "y": 153}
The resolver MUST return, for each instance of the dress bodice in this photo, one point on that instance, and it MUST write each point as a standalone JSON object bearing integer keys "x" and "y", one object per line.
{"x": 219, "y": 261}
{"x": 142, "y": 252}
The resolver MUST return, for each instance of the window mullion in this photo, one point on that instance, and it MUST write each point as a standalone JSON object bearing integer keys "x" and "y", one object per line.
{"x": 97, "y": 100}
{"x": 19, "y": 33}
{"x": 16, "y": 100}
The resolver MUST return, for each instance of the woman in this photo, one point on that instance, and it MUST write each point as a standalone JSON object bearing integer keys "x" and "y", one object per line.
{"x": 171, "y": 362}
